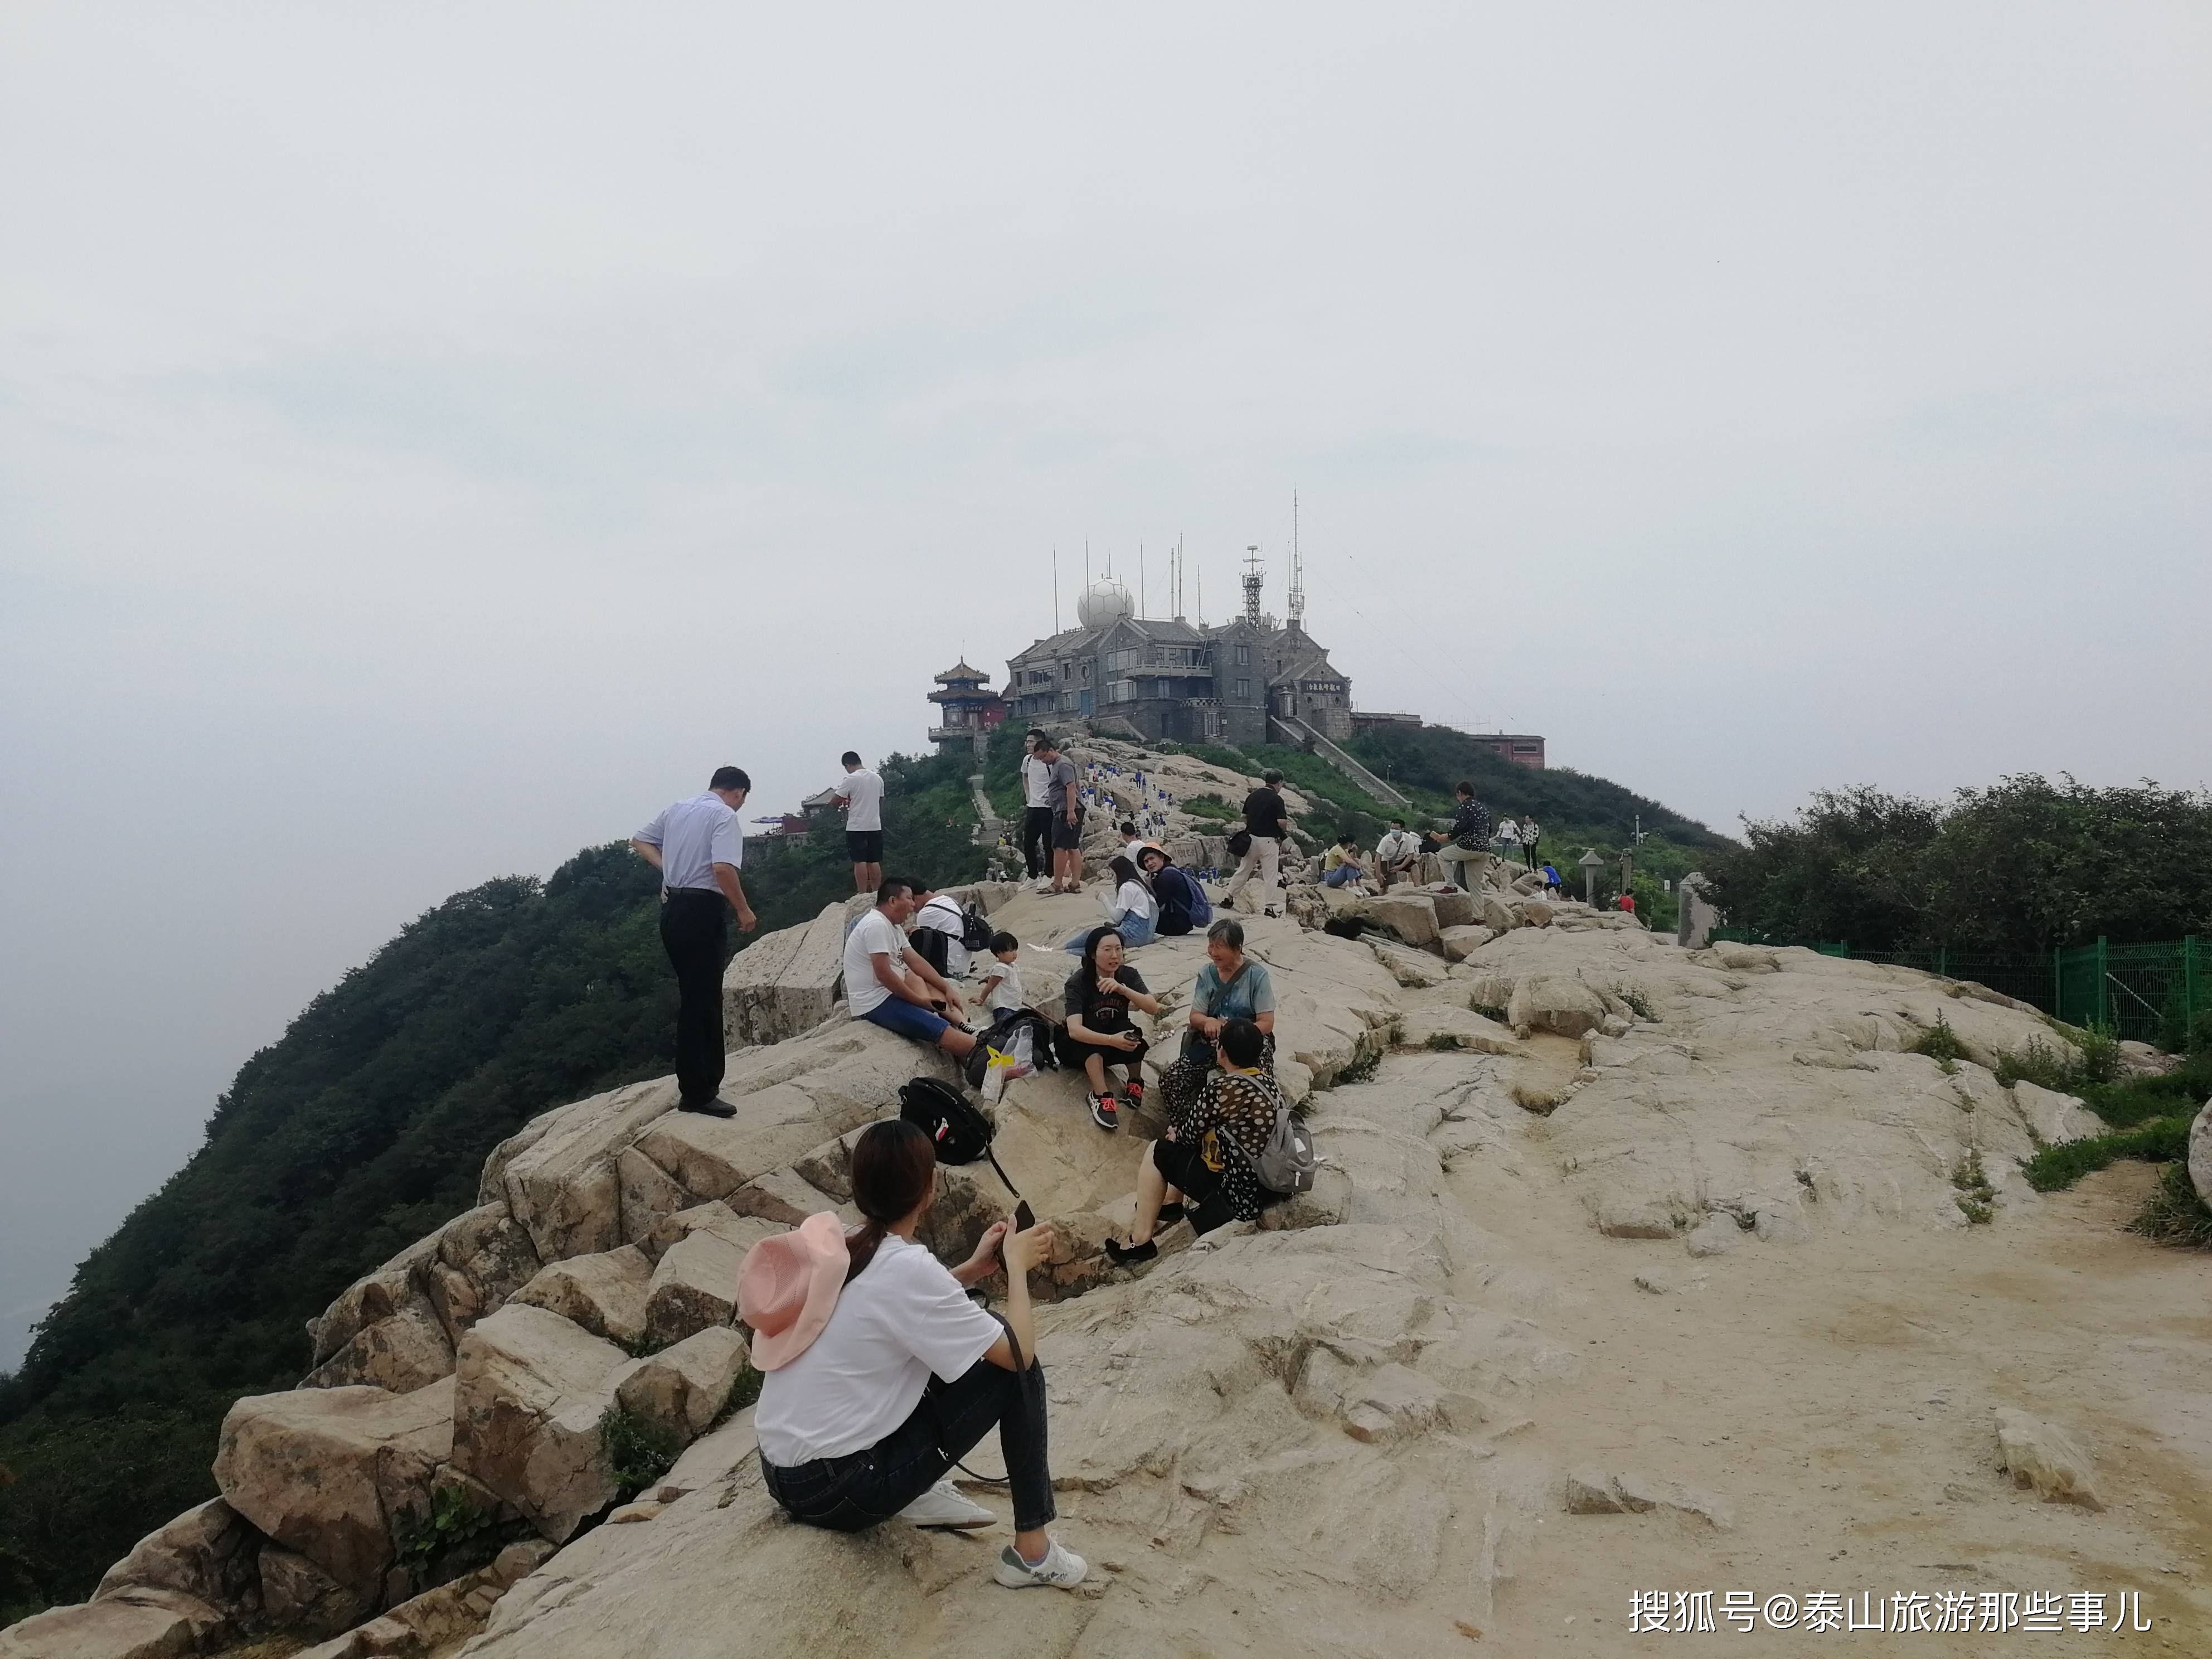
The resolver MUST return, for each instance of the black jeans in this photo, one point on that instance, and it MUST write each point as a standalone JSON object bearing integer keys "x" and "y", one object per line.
{"x": 852, "y": 1493}
{"x": 1036, "y": 839}
{"x": 695, "y": 930}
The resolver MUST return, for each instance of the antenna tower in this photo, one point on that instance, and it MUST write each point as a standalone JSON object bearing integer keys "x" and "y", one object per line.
{"x": 1256, "y": 574}
{"x": 1298, "y": 568}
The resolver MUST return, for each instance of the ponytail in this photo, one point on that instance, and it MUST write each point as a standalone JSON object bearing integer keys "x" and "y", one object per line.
{"x": 893, "y": 1164}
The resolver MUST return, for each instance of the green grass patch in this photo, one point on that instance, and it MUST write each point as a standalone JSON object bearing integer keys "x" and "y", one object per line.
{"x": 1208, "y": 806}
{"x": 2159, "y": 1141}
{"x": 639, "y": 1453}
{"x": 2174, "y": 1214}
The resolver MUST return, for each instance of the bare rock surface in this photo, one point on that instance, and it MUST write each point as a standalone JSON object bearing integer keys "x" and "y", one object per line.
{"x": 2044, "y": 1458}
{"x": 2200, "y": 1153}
{"x": 604, "y": 1293}
{"x": 531, "y": 1391}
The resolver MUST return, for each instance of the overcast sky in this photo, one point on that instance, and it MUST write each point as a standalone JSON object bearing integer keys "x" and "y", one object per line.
{"x": 432, "y": 437}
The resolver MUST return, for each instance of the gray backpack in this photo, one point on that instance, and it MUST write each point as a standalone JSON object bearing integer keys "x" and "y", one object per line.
{"x": 1286, "y": 1163}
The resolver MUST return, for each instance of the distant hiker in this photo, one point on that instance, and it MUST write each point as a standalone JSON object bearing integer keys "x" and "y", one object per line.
{"x": 1036, "y": 806}
{"x": 1463, "y": 850}
{"x": 889, "y": 983}
{"x": 1267, "y": 825}
{"x": 1062, "y": 797}
{"x": 1508, "y": 841}
{"x": 1132, "y": 842}
{"x": 1397, "y": 855}
{"x": 1133, "y": 912}
{"x": 1528, "y": 833}
{"x": 879, "y": 1373}
{"x": 1099, "y": 1032}
{"x": 1182, "y": 902}
{"x": 698, "y": 846}
{"x": 1628, "y": 901}
{"x": 1343, "y": 868}
{"x": 1203, "y": 1170}
{"x": 1551, "y": 880}
{"x": 1231, "y": 985}
{"x": 861, "y": 794}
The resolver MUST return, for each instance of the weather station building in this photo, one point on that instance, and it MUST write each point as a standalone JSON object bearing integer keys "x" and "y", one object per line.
{"x": 1250, "y": 680}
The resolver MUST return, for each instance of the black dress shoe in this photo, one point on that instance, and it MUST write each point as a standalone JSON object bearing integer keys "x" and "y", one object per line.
{"x": 714, "y": 1106}
{"x": 1123, "y": 1256}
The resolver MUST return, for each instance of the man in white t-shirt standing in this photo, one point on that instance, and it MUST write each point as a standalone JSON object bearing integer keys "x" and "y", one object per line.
{"x": 698, "y": 846}
{"x": 889, "y": 983}
{"x": 1036, "y": 806}
{"x": 860, "y": 793}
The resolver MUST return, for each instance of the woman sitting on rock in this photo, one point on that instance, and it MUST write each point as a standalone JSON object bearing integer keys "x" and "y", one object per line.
{"x": 880, "y": 1372}
{"x": 1099, "y": 1032}
{"x": 1231, "y": 985}
{"x": 1133, "y": 913}
{"x": 1203, "y": 1171}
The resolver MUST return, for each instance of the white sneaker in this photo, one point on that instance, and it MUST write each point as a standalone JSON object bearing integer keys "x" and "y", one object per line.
{"x": 942, "y": 1505}
{"x": 1061, "y": 1569}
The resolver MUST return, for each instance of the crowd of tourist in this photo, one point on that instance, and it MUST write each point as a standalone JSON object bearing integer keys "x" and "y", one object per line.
{"x": 880, "y": 1370}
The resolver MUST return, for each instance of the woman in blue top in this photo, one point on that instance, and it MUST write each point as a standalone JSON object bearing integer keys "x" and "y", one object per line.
{"x": 1231, "y": 985}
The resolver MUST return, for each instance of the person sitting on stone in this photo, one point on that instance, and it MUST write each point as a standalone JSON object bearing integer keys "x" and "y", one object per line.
{"x": 1343, "y": 866}
{"x": 889, "y": 983}
{"x": 1099, "y": 1032}
{"x": 1231, "y": 985}
{"x": 1133, "y": 912}
{"x": 1204, "y": 1169}
{"x": 1182, "y": 902}
{"x": 879, "y": 1372}
{"x": 1397, "y": 855}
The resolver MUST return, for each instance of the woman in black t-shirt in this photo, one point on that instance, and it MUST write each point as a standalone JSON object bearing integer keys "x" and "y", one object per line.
{"x": 1099, "y": 1032}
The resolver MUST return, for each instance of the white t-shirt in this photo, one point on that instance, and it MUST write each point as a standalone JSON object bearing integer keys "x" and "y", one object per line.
{"x": 874, "y": 935}
{"x": 694, "y": 836}
{"x": 864, "y": 800}
{"x": 1037, "y": 782}
{"x": 1396, "y": 846}
{"x": 1006, "y": 992}
{"x": 903, "y": 1318}
{"x": 1510, "y": 831}
{"x": 943, "y": 915}
{"x": 1135, "y": 899}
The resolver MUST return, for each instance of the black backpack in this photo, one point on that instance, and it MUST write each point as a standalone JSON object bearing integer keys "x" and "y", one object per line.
{"x": 955, "y": 1126}
{"x": 976, "y": 930}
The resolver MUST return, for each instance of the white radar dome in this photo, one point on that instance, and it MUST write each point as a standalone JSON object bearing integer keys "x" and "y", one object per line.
{"x": 1103, "y": 602}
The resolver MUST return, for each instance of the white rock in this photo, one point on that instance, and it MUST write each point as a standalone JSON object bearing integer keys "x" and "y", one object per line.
{"x": 533, "y": 1388}
{"x": 694, "y": 1287}
{"x": 1555, "y": 1003}
{"x": 683, "y": 1388}
{"x": 2044, "y": 1457}
{"x": 2200, "y": 1153}
{"x": 604, "y": 1293}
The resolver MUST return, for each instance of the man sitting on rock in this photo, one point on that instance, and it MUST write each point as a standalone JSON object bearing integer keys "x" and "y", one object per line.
{"x": 889, "y": 983}
{"x": 1397, "y": 855}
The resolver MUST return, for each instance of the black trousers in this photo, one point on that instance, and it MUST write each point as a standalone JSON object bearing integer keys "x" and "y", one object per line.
{"x": 846, "y": 1494}
{"x": 695, "y": 930}
{"x": 1036, "y": 839}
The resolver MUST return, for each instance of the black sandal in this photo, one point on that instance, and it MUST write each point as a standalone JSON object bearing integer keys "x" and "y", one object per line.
{"x": 1125, "y": 1255}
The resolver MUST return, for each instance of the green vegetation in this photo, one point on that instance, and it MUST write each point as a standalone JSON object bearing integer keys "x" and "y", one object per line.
{"x": 359, "y": 1130}
{"x": 453, "y": 1531}
{"x": 2158, "y": 1141}
{"x": 2020, "y": 867}
{"x": 2174, "y": 1215}
{"x": 1208, "y": 806}
{"x": 2149, "y": 1116}
{"x": 638, "y": 1452}
{"x": 1941, "y": 1044}
{"x": 1976, "y": 1198}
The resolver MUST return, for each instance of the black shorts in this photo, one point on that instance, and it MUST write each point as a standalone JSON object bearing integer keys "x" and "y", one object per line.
{"x": 1066, "y": 837}
{"x": 864, "y": 845}
{"x": 1203, "y": 1194}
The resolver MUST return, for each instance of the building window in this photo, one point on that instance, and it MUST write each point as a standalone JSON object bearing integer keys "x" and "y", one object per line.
{"x": 1117, "y": 661}
{"x": 1086, "y": 673}
{"x": 1243, "y": 686}
{"x": 1120, "y": 690}
{"x": 1243, "y": 659}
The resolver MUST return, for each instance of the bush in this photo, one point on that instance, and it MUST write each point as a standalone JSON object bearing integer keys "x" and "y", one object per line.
{"x": 2174, "y": 1215}
{"x": 453, "y": 1530}
{"x": 1941, "y": 1044}
{"x": 639, "y": 1452}
{"x": 2040, "y": 1063}
{"x": 2159, "y": 1141}
{"x": 1976, "y": 1198}
{"x": 2099, "y": 1047}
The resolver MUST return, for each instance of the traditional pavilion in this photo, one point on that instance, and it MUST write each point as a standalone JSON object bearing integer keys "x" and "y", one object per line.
{"x": 968, "y": 708}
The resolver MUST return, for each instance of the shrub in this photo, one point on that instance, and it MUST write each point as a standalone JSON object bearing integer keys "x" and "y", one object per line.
{"x": 2042, "y": 1064}
{"x": 1941, "y": 1044}
{"x": 1209, "y": 806}
{"x": 1639, "y": 1004}
{"x": 445, "y": 1530}
{"x": 2160, "y": 1141}
{"x": 1976, "y": 1198}
{"x": 2174, "y": 1214}
{"x": 639, "y": 1452}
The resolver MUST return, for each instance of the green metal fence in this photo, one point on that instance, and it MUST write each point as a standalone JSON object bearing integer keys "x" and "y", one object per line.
{"x": 2150, "y": 992}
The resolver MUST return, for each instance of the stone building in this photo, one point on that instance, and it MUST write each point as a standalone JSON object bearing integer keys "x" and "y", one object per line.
{"x": 968, "y": 709}
{"x": 1248, "y": 681}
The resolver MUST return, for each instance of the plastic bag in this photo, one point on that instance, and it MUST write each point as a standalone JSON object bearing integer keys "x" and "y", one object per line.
{"x": 1006, "y": 1064}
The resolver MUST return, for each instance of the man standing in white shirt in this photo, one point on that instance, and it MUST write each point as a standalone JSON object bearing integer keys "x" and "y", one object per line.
{"x": 889, "y": 983}
{"x": 698, "y": 846}
{"x": 1036, "y": 806}
{"x": 861, "y": 795}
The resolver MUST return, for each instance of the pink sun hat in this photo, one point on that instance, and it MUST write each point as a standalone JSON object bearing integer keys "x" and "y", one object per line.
{"x": 787, "y": 1288}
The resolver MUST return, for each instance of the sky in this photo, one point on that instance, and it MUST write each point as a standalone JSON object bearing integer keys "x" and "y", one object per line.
{"x": 433, "y": 437}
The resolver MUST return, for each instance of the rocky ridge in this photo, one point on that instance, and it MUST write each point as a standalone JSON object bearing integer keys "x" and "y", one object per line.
{"x": 1310, "y": 1434}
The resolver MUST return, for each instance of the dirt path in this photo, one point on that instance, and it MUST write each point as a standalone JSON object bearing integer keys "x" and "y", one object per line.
{"x": 1837, "y": 1395}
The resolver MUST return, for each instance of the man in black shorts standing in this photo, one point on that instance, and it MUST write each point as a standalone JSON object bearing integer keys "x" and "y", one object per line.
{"x": 861, "y": 795}
{"x": 1062, "y": 796}
{"x": 1037, "y": 806}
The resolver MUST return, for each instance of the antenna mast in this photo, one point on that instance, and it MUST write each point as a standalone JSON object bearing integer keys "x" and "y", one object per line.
{"x": 1055, "y": 588}
{"x": 1256, "y": 575}
{"x": 1298, "y": 568}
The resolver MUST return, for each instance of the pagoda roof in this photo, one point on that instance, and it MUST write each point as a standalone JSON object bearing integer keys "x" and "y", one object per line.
{"x": 961, "y": 670}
